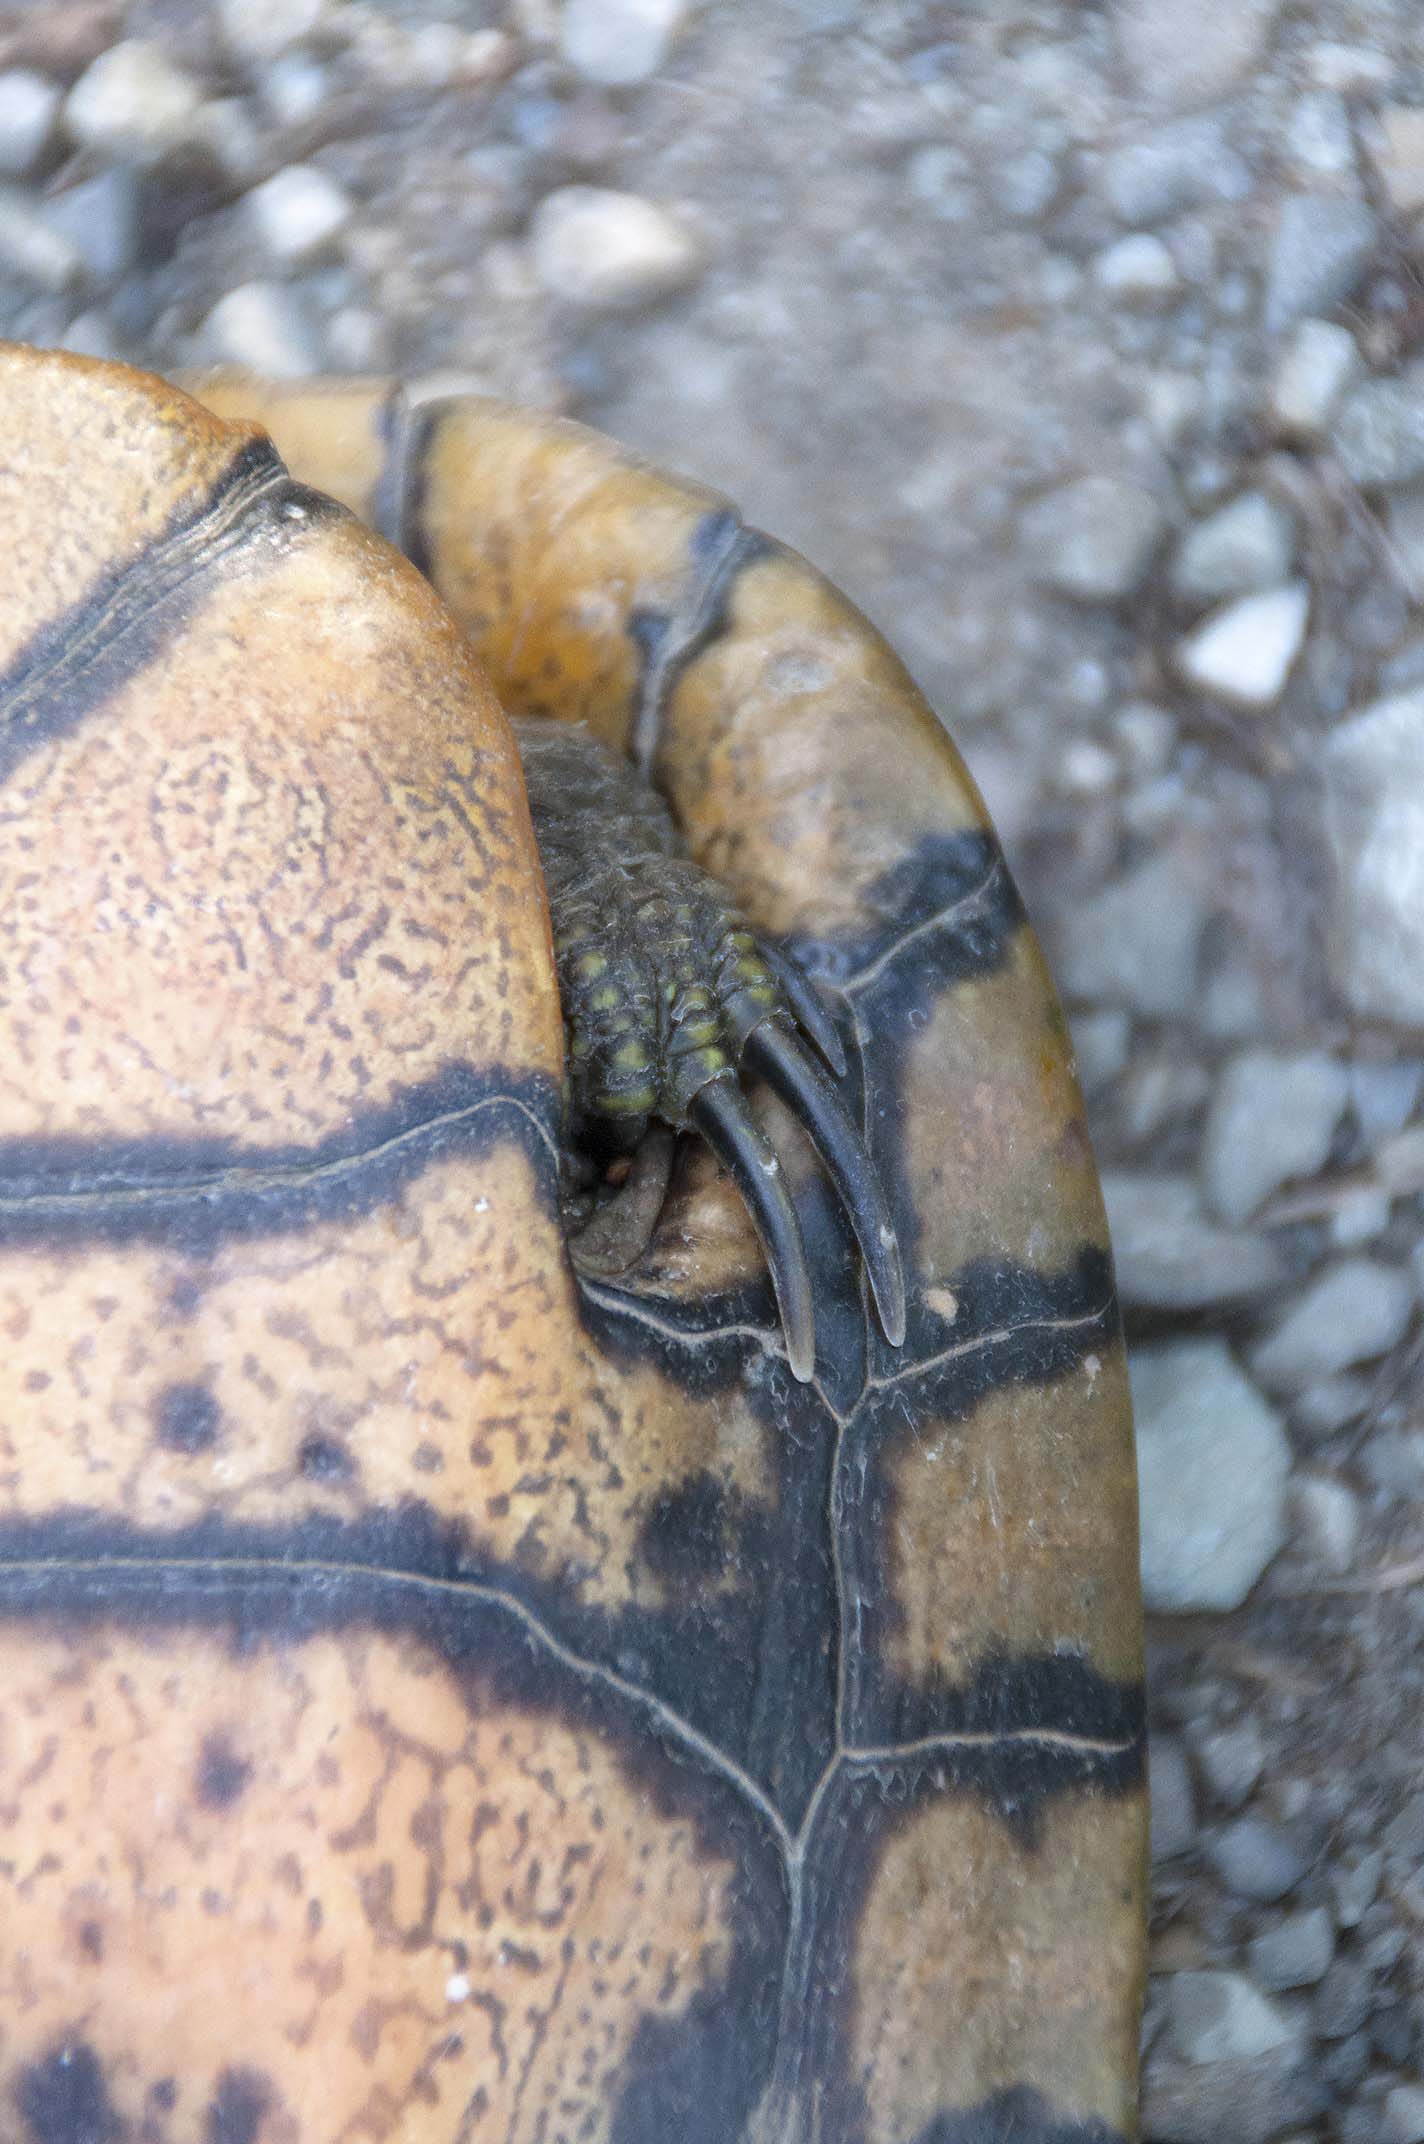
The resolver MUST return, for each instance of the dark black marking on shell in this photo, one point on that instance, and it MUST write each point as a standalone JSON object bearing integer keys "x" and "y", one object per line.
{"x": 692, "y": 1534}
{"x": 322, "y": 1458}
{"x": 194, "y": 1195}
{"x": 1012, "y": 1325}
{"x": 222, "y": 1775}
{"x": 720, "y": 549}
{"x": 78, "y": 660}
{"x": 65, "y": 2100}
{"x": 187, "y": 1419}
{"x": 1021, "y": 1695}
{"x": 238, "y": 2109}
{"x": 391, "y": 515}
{"x": 948, "y": 911}
{"x": 1018, "y": 2116}
{"x": 405, "y": 476}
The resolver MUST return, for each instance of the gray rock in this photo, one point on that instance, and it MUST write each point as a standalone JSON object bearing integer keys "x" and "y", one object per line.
{"x": 32, "y": 249}
{"x": 295, "y": 87}
{"x": 1397, "y": 152}
{"x": 1372, "y": 771}
{"x": 1353, "y": 69}
{"x": 1325, "y": 1516}
{"x": 1323, "y": 245}
{"x": 1212, "y": 1465}
{"x": 1358, "y": 1215}
{"x": 1137, "y": 270}
{"x": 234, "y": 140}
{"x": 263, "y": 326}
{"x": 1256, "y": 1859}
{"x": 101, "y": 217}
{"x": 1404, "y": 518}
{"x": 1318, "y": 365}
{"x": 1159, "y": 1090}
{"x": 1392, "y": 1463}
{"x": 1232, "y": 1003}
{"x": 1182, "y": 56}
{"x": 1231, "y": 1761}
{"x": 1174, "y": 1822}
{"x": 29, "y": 107}
{"x": 1101, "y": 1041}
{"x": 1378, "y": 431}
{"x": 1175, "y": 167}
{"x": 1384, "y": 1098}
{"x": 1249, "y": 544}
{"x": 1135, "y": 943}
{"x": 1093, "y": 539}
{"x": 1404, "y": 2104}
{"x": 134, "y": 104}
{"x": 1171, "y": 1256}
{"x": 1026, "y": 185}
{"x": 1343, "y": 2000}
{"x": 1296, "y": 1953}
{"x": 1319, "y": 135}
{"x": 1354, "y": 1882}
{"x": 1383, "y": 1951}
{"x": 1146, "y": 736}
{"x": 1272, "y": 1119}
{"x": 605, "y": 250}
{"x": 1245, "y": 652}
{"x": 1246, "y": 2102}
{"x": 299, "y": 213}
{"x": 90, "y": 334}
{"x": 1399, "y": 1161}
{"x": 1392, "y": 2034}
{"x": 258, "y": 30}
{"x": 618, "y": 42}
{"x": 1352, "y": 1312}
{"x": 1404, "y": 1834}
{"x": 1221, "y": 2017}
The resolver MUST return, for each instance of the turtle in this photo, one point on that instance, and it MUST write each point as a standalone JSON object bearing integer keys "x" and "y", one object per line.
{"x": 510, "y": 1628}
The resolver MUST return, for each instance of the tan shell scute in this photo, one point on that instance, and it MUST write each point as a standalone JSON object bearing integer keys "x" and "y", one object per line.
{"x": 299, "y": 1878}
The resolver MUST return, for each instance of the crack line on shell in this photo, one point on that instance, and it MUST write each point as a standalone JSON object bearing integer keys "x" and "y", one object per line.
{"x": 275, "y": 1176}
{"x": 212, "y": 1575}
{"x": 997, "y": 1338}
{"x": 846, "y": 986}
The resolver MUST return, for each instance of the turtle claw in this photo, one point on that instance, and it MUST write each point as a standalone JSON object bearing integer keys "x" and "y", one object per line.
{"x": 774, "y": 1052}
{"x": 719, "y": 1111}
{"x": 804, "y": 1001}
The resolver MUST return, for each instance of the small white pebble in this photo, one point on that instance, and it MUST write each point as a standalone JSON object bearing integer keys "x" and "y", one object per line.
{"x": 261, "y": 29}
{"x": 1398, "y": 155}
{"x": 299, "y": 213}
{"x": 260, "y": 325}
{"x": 1139, "y": 270}
{"x": 29, "y": 106}
{"x": 1086, "y": 769}
{"x": 133, "y": 103}
{"x": 619, "y": 42}
{"x": 1319, "y": 362}
{"x": 1244, "y": 652}
{"x": 595, "y": 247}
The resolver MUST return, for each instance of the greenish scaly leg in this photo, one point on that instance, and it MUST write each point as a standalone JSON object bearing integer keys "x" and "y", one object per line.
{"x": 668, "y": 997}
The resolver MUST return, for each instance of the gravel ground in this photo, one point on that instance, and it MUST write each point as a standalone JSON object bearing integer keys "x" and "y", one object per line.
{"x": 1085, "y": 346}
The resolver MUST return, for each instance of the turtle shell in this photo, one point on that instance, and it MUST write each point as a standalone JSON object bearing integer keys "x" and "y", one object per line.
{"x": 442, "y": 1698}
